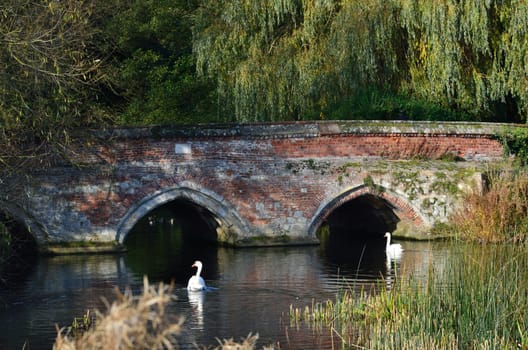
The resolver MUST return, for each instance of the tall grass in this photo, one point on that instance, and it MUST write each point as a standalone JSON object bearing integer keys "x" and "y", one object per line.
{"x": 479, "y": 302}
{"x": 498, "y": 213}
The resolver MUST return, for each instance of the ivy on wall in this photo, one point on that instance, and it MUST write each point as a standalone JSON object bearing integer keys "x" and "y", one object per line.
{"x": 515, "y": 142}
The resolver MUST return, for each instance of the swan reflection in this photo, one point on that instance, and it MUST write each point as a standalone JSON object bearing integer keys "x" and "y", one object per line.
{"x": 196, "y": 299}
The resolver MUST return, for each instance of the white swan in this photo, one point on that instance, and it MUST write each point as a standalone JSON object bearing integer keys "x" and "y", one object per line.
{"x": 196, "y": 282}
{"x": 393, "y": 251}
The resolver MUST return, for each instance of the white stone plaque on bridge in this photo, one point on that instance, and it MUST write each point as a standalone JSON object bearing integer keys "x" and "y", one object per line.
{"x": 182, "y": 148}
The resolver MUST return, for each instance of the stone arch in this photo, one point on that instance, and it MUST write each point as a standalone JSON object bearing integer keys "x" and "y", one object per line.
{"x": 230, "y": 225}
{"x": 408, "y": 216}
{"x": 29, "y": 223}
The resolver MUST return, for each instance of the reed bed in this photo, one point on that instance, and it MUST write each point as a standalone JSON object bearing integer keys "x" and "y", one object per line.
{"x": 479, "y": 302}
{"x": 499, "y": 211}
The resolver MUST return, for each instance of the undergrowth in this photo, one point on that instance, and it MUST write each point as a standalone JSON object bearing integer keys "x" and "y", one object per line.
{"x": 496, "y": 212}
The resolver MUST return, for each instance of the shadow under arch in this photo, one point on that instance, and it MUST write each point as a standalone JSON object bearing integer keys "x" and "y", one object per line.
{"x": 230, "y": 225}
{"x": 19, "y": 244}
{"x": 34, "y": 229}
{"x": 389, "y": 209}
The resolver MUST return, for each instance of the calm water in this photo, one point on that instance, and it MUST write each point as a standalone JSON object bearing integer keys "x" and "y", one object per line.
{"x": 255, "y": 287}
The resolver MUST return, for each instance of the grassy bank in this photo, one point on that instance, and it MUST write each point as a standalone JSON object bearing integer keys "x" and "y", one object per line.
{"x": 478, "y": 302}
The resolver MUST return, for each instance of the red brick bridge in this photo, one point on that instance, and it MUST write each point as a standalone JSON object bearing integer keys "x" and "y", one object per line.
{"x": 264, "y": 183}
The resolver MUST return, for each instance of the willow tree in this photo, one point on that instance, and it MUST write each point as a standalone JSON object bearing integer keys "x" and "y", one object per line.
{"x": 279, "y": 59}
{"x": 468, "y": 54}
{"x": 248, "y": 47}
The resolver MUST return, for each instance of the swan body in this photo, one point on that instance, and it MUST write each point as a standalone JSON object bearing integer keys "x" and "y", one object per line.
{"x": 393, "y": 251}
{"x": 196, "y": 282}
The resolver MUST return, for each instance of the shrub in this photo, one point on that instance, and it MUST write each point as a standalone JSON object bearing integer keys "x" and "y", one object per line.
{"x": 497, "y": 213}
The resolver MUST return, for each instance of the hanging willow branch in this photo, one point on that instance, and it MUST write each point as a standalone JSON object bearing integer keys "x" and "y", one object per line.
{"x": 276, "y": 59}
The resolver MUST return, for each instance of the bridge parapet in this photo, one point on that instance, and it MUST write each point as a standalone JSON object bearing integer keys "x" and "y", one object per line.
{"x": 307, "y": 129}
{"x": 272, "y": 183}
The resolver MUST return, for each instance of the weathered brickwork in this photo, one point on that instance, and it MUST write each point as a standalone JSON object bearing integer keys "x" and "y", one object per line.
{"x": 261, "y": 180}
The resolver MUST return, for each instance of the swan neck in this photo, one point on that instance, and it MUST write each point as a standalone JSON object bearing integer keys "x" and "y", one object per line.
{"x": 388, "y": 242}
{"x": 199, "y": 270}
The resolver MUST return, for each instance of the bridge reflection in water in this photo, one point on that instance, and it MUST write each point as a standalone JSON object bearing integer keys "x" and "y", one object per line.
{"x": 256, "y": 286}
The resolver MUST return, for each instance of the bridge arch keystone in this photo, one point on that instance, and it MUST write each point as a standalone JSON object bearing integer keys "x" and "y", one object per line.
{"x": 230, "y": 225}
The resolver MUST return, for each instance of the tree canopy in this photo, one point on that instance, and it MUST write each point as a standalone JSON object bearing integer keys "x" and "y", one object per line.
{"x": 51, "y": 75}
{"x": 155, "y": 64}
{"x": 284, "y": 59}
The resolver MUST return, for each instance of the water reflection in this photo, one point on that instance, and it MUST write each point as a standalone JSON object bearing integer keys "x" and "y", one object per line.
{"x": 58, "y": 289}
{"x": 255, "y": 286}
{"x": 196, "y": 300}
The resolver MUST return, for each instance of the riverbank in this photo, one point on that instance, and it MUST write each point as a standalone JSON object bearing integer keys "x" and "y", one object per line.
{"x": 479, "y": 302}
{"x": 475, "y": 298}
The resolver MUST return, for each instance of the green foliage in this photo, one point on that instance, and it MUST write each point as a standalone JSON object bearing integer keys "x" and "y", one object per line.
{"x": 285, "y": 59}
{"x": 515, "y": 141}
{"x": 377, "y": 104}
{"x": 82, "y": 324}
{"x": 369, "y": 182}
{"x": 179, "y": 61}
{"x": 156, "y": 69}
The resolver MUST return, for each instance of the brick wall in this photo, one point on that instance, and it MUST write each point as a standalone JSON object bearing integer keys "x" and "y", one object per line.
{"x": 257, "y": 179}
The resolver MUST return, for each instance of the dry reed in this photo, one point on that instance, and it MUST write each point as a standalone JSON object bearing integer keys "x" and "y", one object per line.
{"x": 498, "y": 213}
{"x": 129, "y": 323}
{"x": 138, "y": 322}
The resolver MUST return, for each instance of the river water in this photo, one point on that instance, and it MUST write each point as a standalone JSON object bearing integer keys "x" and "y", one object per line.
{"x": 254, "y": 287}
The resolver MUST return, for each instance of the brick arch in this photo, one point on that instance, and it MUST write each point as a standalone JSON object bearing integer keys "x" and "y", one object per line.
{"x": 230, "y": 224}
{"x": 401, "y": 208}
